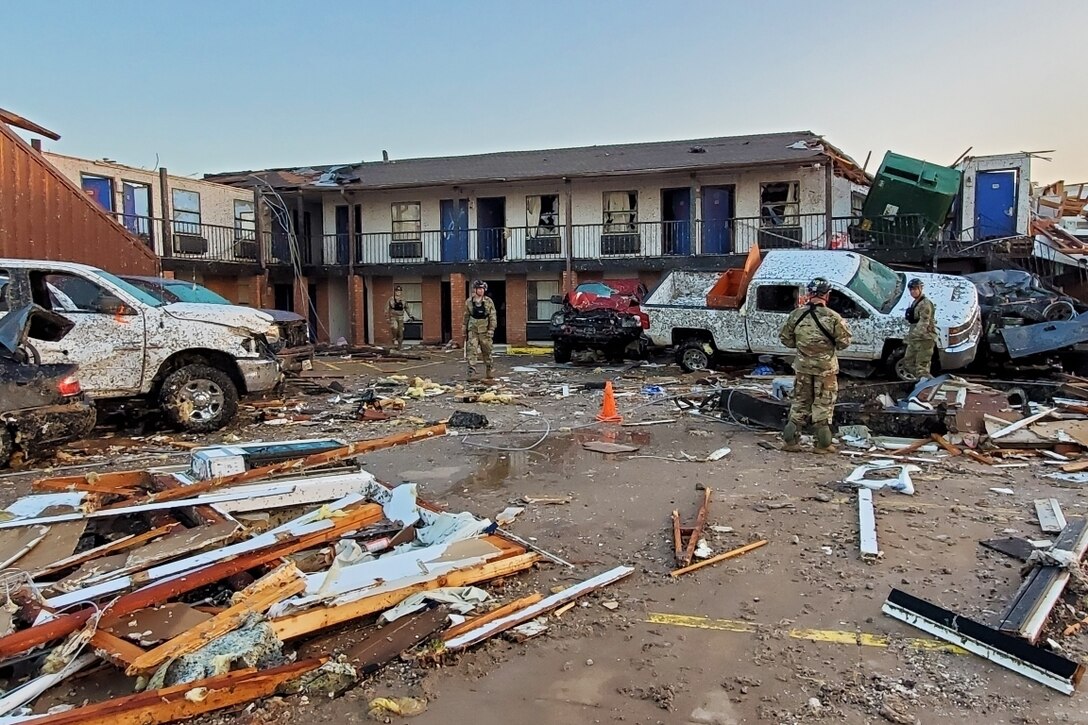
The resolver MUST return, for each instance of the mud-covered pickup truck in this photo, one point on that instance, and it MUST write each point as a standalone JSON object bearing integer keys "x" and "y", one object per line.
{"x": 742, "y": 310}
{"x": 191, "y": 360}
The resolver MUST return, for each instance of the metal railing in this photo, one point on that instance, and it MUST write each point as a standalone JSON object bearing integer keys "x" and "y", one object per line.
{"x": 194, "y": 240}
{"x": 901, "y": 232}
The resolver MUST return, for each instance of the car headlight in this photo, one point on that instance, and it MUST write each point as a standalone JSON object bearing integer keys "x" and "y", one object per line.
{"x": 273, "y": 335}
{"x": 557, "y": 318}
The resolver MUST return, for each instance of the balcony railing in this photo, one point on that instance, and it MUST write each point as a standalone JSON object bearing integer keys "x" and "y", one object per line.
{"x": 195, "y": 240}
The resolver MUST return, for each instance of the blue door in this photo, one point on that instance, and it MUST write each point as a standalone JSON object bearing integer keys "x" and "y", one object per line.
{"x": 676, "y": 221}
{"x": 717, "y": 219}
{"x": 454, "y": 213}
{"x": 99, "y": 189}
{"x": 995, "y": 204}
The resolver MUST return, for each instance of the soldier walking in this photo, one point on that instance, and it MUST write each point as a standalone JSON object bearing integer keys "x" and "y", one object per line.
{"x": 922, "y": 336}
{"x": 480, "y": 323}
{"x": 817, "y": 333}
{"x": 395, "y": 312}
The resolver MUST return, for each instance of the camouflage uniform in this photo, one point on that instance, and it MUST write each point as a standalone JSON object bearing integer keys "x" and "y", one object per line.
{"x": 921, "y": 339}
{"x": 480, "y": 323}
{"x": 816, "y": 383}
{"x": 395, "y": 312}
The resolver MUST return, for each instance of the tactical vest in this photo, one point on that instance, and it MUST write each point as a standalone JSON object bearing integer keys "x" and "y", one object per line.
{"x": 479, "y": 310}
{"x": 398, "y": 305}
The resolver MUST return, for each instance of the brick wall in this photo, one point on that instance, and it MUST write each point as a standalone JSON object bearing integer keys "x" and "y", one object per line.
{"x": 432, "y": 310}
{"x": 356, "y": 296}
{"x": 457, "y": 305}
{"x": 516, "y": 309}
{"x": 569, "y": 281}
{"x": 590, "y": 275}
{"x": 381, "y": 290}
{"x": 301, "y": 303}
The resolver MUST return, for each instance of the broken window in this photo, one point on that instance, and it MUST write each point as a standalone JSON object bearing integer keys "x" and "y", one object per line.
{"x": 776, "y": 298}
{"x": 542, "y": 215}
{"x": 620, "y": 212}
{"x": 412, "y": 294}
{"x": 186, "y": 212}
{"x": 69, "y": 293}
{"x": 539, "y": 294}
{"x": 779, "y": 204}
{"x": 245, "y": 220}
{"x": 406, "y": 221}
{"x": 844, "y": 305}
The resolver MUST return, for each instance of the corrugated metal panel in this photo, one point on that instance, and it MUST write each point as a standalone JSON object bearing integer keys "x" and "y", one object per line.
{"x": 45, "y": 216}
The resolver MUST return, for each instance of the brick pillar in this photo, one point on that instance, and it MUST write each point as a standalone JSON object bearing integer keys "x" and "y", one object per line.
{"x": 324, "y": 301}
{"x": 570, "y": 281}
{"x": 300, "y": 301}
{"x": 432, "y": 310}
{"x": 516, "y": 309}
{"x": 649, "y": 278}
{"x": 258, "y": 284}
{"x": 167, "y": 274}
{"x": 356, "y": 297}
{"x": 381, "y": 290}
{"x": 457, "y": 305}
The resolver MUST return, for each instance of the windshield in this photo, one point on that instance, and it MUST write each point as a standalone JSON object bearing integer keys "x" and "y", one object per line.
{"x": 595, "y": 288}
{"x": 132, "y": 289}
{"x": 876, "y": 284}
{"x": 192, "y": 292}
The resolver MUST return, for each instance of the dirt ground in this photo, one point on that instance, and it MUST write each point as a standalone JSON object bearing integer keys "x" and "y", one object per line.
{"x": 772, "y": 636}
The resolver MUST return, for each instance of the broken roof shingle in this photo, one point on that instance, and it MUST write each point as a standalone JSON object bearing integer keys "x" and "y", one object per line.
{"x": 585, "y": 161}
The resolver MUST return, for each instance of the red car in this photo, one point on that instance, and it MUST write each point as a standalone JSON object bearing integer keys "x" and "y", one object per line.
{"x": 603, "y": 316}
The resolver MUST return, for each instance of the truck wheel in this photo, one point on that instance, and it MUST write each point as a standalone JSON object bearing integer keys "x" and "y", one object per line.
{"x": 562, "y": 352}
{"x": 199, "y": 398}
{"x": 7, "y": 445}
{"x": 692, "y": 356}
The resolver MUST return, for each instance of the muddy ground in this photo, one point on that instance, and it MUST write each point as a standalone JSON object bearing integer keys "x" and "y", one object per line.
{"x": 771, "y": 636}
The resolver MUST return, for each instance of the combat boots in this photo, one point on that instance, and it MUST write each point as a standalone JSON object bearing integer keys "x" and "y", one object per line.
{"x": 792, "y": 437}
{"x": 489, "y": 372}
{"x": 825, "y": 443}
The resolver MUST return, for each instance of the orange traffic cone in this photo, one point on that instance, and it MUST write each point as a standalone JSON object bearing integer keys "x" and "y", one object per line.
{"x": 608, "y": 412}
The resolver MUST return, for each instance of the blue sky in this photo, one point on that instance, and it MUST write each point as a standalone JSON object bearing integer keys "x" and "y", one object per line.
{"x": 214, "y": 86}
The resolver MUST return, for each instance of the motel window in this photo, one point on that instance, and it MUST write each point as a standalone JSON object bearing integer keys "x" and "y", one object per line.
{"x": 542, "y": 215}
{"x": 406, "y": 221}
{"x": 620, "y": 212}
{"x": 186, "y": 212}
{"x": 857, "y": 201}
{"x": 539, "y": 295}
{"x": 779, "y": 204}
{"x": 245, "y": 220}
{"x": 413, "y": 298}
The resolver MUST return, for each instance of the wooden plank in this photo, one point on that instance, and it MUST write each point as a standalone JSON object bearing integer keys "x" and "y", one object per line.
{"x": 113, "y": 547}
{"x": 867, "y": 525}
{"x": 118, "y": 651}
{"x": 300, "y": 464}
{"x": 1076, "y": 467}
{"x": 906, "y": 450}
{"x": 388, "y": 642}
{"x": 943, "y": 443}
{"x": 976, "y": 456}
{"x": 14, "y": 119}
{"x": 170, "y": 704}
{"x": 284, "y": 582}
{"x": 491, "y": 616}
{"x": 677, "y": 538}
{"x": 1051, "y": 518}
{"x": 720, "y": 557}
{"x": 533, "y": 611}
{"x": 697, "y": 530}
{"x": 1013, "y": 427}
{"x": 114, "y": 483}
{"x": 312, "y": 620}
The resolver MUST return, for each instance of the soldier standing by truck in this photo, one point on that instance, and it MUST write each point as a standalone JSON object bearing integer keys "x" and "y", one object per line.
{"x": 817, "y": 333}
{"x": 922, "y": 336}
{"x": 480, "y": 323}
{"x": 395, "y": 312}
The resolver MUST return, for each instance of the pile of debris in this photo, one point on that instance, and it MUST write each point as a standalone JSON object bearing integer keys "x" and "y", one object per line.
{"x": 193, "y": 580}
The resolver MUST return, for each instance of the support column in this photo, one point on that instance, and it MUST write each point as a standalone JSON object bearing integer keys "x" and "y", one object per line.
{"x": 301, "y": 297}
{"x": 356, "y": 299}
{"x": 568, "y": 233}
{"x": 258, "y": 283}
{"x": 432, "y": 310}
{"x": 380, "y": 291}
{"x": 167, "y": 231}
{"x": 570, "y": 281}
{"x": 516, "y": 309}
{"x": 829, "y": 202}
{"x": 324, "y": 303}
{"x": 458, "y": 295}
{"x": 693, "y": 217}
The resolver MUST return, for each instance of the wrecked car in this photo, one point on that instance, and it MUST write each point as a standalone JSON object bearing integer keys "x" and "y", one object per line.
{"x": 705, "y": 315}
{"x": 293, "y": 348}
{"x": 41, "y": 405}
{"x": 192, "y": 361}
{"x": 603, "y": 316}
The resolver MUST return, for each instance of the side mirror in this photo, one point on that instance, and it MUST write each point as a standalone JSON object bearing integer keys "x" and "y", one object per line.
{"x": 111, "y": 305}
{"x": 557, "y": 299}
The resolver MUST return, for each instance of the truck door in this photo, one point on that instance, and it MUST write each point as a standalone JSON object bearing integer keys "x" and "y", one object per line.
{"x": 866, "y": 343}
{"x": 107, "y": 341}
{"x": 766, "y": 312}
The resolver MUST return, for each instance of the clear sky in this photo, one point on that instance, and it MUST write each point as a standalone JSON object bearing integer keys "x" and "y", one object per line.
{"x": 218, "y": 85}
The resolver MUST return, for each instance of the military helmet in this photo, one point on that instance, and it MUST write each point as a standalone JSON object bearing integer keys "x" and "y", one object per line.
{"x": 478, "y": 284}
{"x": 398, "y": 288}
{"x": 915, "y": 283}
{"x": 818, "y": 287}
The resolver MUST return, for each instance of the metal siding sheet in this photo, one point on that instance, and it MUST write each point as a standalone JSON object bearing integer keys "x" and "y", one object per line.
{"x": 45, "y": 216}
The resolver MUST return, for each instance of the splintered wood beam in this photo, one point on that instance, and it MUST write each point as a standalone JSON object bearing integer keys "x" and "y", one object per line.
{"x": 63, "y": 625}
{"x": 720, "y": 557}
{"x": 307, "y": 622}
{"x": 975, "y": 455}
{"x": 286, "y": 581}
{"x": 14, "y": 119}
{"x": 677, "y": 538}
{"x": 300, "y": 464}
{"x": 98, "y": 552}
{"x": 118, "y": 651}
{"x": 905, "y": 450}
{"x": 491, "y": 616}
{"x": 943, "y": 443}
{"x": 697, "y": 530}
{"x": 118, "y": 482}
{"x": 171, "y": 704}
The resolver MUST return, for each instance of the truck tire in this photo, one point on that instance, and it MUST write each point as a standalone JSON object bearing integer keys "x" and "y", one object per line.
{"x": 562, "y": 352}
{"x": 692, "y": 356}
{"x": 7, "y": 445}
{"x": 199, "y": 398}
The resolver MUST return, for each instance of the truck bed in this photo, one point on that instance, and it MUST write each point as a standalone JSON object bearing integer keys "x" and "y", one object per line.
{"x": 683, "y": 289}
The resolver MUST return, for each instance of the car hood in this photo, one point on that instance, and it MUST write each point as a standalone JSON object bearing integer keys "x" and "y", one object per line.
{"x": 955, "y": 298}
{"x": 226, "y": 315}
{"x": 284, "y": 316}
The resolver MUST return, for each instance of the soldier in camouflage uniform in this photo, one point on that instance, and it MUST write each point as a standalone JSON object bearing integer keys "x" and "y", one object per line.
{"x": 922, "y": 336}
{"x": 481, "y": 319}
{"x": 394, "y": 313}
{"x": 817, "y": 333}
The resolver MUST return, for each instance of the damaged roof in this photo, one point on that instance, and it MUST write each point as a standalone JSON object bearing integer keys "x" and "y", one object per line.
{"x": 585, "y": 161}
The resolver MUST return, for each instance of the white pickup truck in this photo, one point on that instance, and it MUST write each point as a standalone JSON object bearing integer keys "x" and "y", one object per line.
{"x": 192, "y": 360}
{"x": 703, "y": 314}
